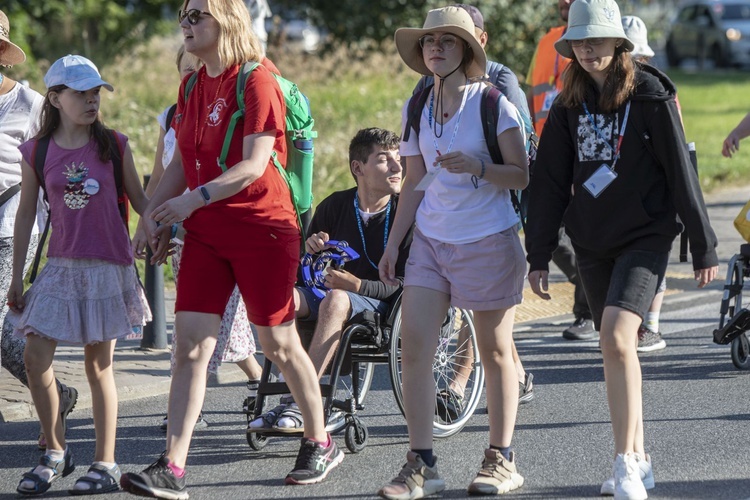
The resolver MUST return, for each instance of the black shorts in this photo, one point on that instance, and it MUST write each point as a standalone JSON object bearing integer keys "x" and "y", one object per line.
{"x": 628, "y": 280}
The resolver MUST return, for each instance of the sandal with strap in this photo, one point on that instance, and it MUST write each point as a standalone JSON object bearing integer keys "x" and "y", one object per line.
{"x": 108, "y": 481}
{"x": 450, "y": 405}
{"x": 61, "y": 468}
{"x": 267, "y": 420}
{"x": 290, "y": 420}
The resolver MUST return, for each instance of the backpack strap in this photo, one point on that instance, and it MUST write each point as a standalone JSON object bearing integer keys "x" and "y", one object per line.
{"x": 414, "y": 111}
{"x": 190, "y": 84}
{"x": 116, "y": 155}
{"x": 489, "y": 112}
{"x": 170, "y": 116}
{"x": 242, "y": 77}
{"x": 38, "y": 157}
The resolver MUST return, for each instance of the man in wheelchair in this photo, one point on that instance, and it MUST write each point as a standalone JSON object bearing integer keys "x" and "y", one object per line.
{"x": 362, "y": 216}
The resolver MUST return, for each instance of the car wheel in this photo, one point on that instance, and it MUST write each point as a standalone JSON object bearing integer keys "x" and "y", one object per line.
{"x": 672, "y": 58}
{"x": 717, "y": 55}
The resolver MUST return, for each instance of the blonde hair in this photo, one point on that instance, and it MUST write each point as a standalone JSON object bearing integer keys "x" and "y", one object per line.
{"x": 237, "y": 41}
{"x": 183, "y": 55}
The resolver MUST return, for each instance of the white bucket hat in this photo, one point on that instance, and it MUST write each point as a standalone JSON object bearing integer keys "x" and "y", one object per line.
{"x": 635, "y": 30}
{"x": 592, "y": 19}
{"x": 454, "y": 20}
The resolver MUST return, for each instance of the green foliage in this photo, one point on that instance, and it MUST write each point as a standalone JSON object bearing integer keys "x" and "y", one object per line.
{"x": 99, "y": 30}
{"x": 712, "y": 105}
{"x": 514, "y": 28}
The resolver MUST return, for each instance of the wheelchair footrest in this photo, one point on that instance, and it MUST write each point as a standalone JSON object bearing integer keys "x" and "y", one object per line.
{"x": 739, "y": 324}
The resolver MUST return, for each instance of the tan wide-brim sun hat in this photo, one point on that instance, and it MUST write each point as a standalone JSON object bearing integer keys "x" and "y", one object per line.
{"x": 592, "y": 19}
{"x": 454, "y": 20}
{"x": 11, "y": 54}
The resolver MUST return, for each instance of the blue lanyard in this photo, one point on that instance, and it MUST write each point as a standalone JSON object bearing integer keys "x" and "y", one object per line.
{"x": 362, "y": 233}
{"x": 599, "y": 133}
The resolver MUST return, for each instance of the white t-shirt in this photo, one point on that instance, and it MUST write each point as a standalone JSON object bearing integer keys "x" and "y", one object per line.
{"x": 452, "y": 210}
{"x": 19, "y": 122}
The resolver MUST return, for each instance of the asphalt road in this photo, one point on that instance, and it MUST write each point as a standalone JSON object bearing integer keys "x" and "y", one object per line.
{"x": 696, "y": 413}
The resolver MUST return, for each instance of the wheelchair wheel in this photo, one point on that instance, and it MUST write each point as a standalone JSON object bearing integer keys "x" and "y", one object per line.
{"x": 457, "y": 356}
{"x": 344, "y": 391}
{"x": 257, "y": 441}
{"x": 741, "y": 352}
{"x": 356, "y": 435}
{"x": 731, "y": 301}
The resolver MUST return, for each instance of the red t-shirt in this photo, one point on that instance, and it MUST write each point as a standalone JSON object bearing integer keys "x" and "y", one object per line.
{"x": 201, "y": 125}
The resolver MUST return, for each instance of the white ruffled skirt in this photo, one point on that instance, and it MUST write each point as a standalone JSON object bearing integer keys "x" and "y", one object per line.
{"x": 83, "y": 301}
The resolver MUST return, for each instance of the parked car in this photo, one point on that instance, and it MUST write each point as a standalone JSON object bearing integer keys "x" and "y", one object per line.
{"x": 713, "y": 29}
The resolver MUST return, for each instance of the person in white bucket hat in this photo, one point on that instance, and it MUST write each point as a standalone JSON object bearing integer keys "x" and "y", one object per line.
{"x": 465, "y": 250}
{"x": 614, "y": 167}
{"x": 635, "y": 30}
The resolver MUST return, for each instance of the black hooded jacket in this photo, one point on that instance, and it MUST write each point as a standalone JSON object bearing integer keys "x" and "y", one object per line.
{"x": 655, "y": 180}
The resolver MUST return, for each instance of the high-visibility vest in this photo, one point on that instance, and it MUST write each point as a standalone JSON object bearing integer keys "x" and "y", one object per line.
{"x": 544, "y": 76}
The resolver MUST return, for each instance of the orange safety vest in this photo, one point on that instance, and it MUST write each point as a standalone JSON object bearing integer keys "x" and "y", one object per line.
{"x": 544, "y": 76}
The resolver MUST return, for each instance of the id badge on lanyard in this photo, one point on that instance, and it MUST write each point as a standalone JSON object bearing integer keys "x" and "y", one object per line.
{"x": 604, "y": 175}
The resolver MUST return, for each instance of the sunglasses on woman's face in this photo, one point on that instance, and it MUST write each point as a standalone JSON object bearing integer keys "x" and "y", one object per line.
{"x": 193, "y": 15}
{"x": 591, "y": 42}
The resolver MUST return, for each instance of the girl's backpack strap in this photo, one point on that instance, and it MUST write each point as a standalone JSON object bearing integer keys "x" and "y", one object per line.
{"x": 116, "y": 154}
{"x": 38, "y": 157}
{"x": 414, "y": 111}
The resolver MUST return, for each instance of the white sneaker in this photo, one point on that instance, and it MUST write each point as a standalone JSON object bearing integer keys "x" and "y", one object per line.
{"x": 646, "y": 471}
{"x": 628, "y": 483}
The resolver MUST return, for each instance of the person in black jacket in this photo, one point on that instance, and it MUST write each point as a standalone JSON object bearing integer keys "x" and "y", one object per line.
{"x": 362, "y": 216}
{"x": 614, "y": 168}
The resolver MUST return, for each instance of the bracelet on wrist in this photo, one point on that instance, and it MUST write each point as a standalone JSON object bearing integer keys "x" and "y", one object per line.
{"x": 475, "y": 179}
{"x": 174, "y": 232}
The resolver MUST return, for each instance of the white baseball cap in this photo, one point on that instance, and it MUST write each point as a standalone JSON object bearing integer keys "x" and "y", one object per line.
{"x": 75, "y": 72}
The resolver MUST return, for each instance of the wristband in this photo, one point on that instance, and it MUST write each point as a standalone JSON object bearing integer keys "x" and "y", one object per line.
{"x": 475, "y": 179}
{"x": 204, "y": 194}
{"x": 174, "y": 231}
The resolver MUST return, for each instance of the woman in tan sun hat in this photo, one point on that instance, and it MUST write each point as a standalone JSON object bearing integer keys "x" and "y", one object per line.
{"x": 465, "y": 251}
{"x": 614, "y": 167}
{"x": 19, "y": 112}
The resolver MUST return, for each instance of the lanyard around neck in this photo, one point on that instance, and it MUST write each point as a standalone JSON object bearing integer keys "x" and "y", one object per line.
{"x": 362, "y": 232}
{"x": 616, "y": 149}
{"x": 458, "y": 120}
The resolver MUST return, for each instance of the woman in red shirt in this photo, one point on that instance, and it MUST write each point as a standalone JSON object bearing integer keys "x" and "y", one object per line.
{"x": 241, "y": 229}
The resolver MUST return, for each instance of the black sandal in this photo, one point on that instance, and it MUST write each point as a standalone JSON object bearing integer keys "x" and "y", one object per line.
{"x": 61, "y": 468}
{"x": 108, "y": 481}
{"x": 450, "y": 405}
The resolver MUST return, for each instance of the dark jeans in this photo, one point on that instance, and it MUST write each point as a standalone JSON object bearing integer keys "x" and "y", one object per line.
{"x": 565, "y": 259}
{"x": 628, "y": 280}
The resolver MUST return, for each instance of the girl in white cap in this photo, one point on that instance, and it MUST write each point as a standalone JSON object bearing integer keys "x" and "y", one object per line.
{"x": 88, "y": 293}
{"x": 19, "y": 121}
{"x": 614, "y": 167}
{"x": 466, "y": 250}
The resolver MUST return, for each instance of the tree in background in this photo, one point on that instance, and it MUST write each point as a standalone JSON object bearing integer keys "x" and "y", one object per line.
{"x": 515, "y": 26}
{"x": 96, "y": 29}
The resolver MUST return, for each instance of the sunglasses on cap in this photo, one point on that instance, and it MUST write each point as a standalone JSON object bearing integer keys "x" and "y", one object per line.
{"x": 193, "y": 15}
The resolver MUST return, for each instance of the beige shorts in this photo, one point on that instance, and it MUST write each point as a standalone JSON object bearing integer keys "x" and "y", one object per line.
{"x": 485, "y": 275}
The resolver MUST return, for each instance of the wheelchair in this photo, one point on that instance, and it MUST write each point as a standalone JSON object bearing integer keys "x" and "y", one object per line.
{"x": 369, "y": 339}
{"x": 734, "y": 319}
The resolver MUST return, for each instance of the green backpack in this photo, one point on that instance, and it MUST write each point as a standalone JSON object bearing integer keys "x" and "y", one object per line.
{"x": 299, "y": 139}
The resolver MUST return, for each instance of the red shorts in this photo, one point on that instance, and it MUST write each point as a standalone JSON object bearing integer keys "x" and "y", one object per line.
{"x": 260, "y": 260}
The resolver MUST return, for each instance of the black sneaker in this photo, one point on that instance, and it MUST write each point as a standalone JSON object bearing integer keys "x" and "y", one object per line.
{"x": 582, "y": 329}
{"x": 649, "y": 340}
{"x": 526, "y": 389}
{"x": 156, "y": 481}
{"x": 314, "y": 462}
